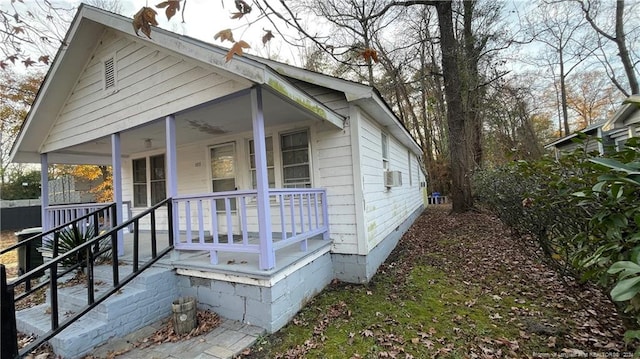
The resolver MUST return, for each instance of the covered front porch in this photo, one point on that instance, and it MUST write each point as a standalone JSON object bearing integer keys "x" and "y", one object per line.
{"x": 231, "y": 196}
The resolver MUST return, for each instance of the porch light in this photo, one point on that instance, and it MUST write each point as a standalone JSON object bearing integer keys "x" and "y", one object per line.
{"x": 147, "y": 143}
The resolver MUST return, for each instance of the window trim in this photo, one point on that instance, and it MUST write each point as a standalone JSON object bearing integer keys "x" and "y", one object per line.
{"x": 409, "y": 167}
{"x": 144, "y": 183}
{"x": 384, "y": 146}
{"x": 281, "y": 154}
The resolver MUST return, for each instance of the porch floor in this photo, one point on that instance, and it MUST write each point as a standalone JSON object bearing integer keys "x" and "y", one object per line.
{"x": 234, "y": 263}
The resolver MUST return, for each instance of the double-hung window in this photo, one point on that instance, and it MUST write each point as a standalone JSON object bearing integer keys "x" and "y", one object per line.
{"x": 296, "y": 171}
{"x": 270, "y": 167}
{"x": 384, "y": 142}
{"x": 149, "y": 181}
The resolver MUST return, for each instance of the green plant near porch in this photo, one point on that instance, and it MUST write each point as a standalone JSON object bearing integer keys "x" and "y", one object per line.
{"x": 73, "y": 237}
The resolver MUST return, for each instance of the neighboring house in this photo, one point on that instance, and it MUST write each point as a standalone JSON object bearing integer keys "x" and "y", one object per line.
{"x": 613, "y": 133}
{"x": 256, "y": 156}
{"x": 69, "y": 189}
{"x": 596, "y": 141}
{"x": 625, "y": 123}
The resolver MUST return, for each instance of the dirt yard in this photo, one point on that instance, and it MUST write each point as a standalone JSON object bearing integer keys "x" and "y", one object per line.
{"x": 10, "y": 260}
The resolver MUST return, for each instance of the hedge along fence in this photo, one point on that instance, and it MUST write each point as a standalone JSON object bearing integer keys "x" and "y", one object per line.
{"x": 583, "y": 211}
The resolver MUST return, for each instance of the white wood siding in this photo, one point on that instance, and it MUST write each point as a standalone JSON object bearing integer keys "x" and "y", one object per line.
{"x": 150, "y": 84}
{"x": 334, "y": 100}
{"x": 334, "y": 168}
{"x": 385, "y": 208}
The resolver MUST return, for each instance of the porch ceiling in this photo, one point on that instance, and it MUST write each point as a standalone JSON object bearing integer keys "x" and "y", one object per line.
{"x": 233, "y": 115}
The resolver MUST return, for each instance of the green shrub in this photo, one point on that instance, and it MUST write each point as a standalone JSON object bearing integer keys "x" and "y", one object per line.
{"x": 583, "y": 210}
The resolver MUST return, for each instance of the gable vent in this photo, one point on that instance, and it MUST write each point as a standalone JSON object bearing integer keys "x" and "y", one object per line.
{"x": 109, "y": 74}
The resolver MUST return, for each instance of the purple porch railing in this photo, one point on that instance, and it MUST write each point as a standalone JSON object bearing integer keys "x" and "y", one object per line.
{"x": 57, "y": 215}
{"x": 228, "y": 221}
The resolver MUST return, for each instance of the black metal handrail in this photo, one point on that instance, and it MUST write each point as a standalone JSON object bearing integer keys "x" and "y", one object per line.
{"x": 7, "y": 290}
{"x": 55, "y": 232}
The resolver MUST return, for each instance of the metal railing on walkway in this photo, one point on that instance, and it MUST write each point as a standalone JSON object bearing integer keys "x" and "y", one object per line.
{"x": 92, "y": 249}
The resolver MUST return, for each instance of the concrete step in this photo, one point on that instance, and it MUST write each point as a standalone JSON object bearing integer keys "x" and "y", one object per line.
{"x": 72, "y": 342}
{"x": 143, "y": 301}
{"x": 74, "y": 299}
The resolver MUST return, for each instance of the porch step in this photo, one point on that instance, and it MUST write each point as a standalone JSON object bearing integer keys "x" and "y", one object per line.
{"x": 141, "y": 302}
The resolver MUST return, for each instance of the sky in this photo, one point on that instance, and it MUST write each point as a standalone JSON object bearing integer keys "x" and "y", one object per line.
{"x": 202, "y": 20}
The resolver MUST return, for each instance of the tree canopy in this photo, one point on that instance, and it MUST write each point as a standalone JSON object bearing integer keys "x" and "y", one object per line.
{"x": 476, "y": 82}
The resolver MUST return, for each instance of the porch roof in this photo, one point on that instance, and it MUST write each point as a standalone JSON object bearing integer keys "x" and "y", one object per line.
{"x": 367, "y": 97}
{"x": 81, "y": 40}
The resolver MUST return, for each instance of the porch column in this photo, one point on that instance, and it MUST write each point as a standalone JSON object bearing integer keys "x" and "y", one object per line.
{"x": 116, "y": 168}
{"x": 267, "y": 255}
{"x": 44, "y": 190}
{"x": 172, "y": 171}
{"x": 172, "y": 168}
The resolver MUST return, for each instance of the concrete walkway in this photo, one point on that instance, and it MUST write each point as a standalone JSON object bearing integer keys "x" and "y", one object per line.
{"x": 223, "y": 342}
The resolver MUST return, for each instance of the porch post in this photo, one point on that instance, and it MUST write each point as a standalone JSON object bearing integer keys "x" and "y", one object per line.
{"x": 267, "y": 255}
{"x": 172, "y": 168}
{"x": 172, "y": 171}
{"x": 44, "y": 190}
{"x": 116, "y": 168}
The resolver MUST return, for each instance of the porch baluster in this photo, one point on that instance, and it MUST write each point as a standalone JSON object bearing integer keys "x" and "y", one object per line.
{"x": 227, "y": 207}
{"x": 283, "y": 221}
{"x": 301, "y": 202}
{"x": 187, "y": 220}
{"x": 243, "y": 220}
{"x": 315, "y": 202}
{"x": 200, "y": 222}
{"x": 293, "y": 217}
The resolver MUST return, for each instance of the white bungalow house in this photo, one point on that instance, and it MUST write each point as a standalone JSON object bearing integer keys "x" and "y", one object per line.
{"x": 281, "y": 179}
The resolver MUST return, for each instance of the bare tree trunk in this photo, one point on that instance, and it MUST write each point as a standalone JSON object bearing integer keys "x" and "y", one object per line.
{"x": 473, "y": 93}
{"x": 461, "y": 183}
{"x": 563, "y": 95}
{"x": 620, "y": 40}
{"x": 622, "y": 48}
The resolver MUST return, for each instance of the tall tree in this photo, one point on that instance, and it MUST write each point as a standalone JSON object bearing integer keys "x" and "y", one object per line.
{"x": 458, "y": 148}
{"x": 590, "y": 96}
{"x": 16, "y": 94}
{"x": 616, "y": 33}
{"x": 560, "y": 29}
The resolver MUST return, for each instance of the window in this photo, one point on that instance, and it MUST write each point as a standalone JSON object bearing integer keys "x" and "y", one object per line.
{"x": 223, "y": 172}
{"x": 409, "y": 166}
{"x": 158, "y": 179}
{"x": 296, "y": 171}
{"x": 384, "y": 140}
{"x": 270, "y": 167}
{"x": 149, "y": 186}
{"x": 140, "y": 182}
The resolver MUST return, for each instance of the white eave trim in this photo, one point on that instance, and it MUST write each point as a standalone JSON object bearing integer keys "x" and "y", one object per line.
{"x": 298, "y": 97}
{"x": 623, "y": 112}
{"x": 352, "y": 90}
{"x": 389, "y": 121}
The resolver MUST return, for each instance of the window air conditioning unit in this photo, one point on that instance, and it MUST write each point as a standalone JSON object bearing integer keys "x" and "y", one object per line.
{"x": 392, "y": 178}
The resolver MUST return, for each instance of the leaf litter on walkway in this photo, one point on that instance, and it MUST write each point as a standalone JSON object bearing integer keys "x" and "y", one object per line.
{"x": 456, "y": 286}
